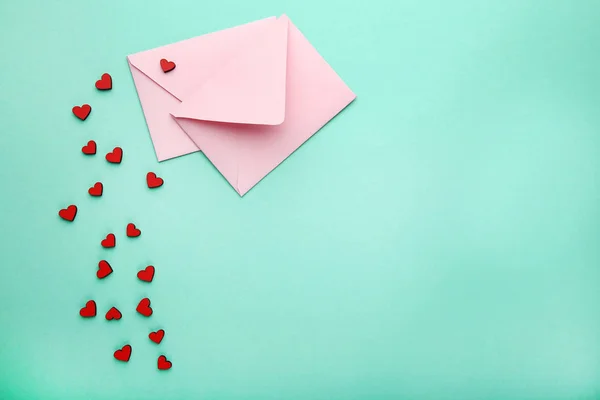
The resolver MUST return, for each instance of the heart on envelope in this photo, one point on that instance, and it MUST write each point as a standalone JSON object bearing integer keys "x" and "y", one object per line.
{"x": 247, "y": 97}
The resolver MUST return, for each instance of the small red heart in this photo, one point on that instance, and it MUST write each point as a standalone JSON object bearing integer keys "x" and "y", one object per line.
{"x": 82, "y": 112}
{"x": 144, "y": 307}
{"x": 132, "y": 231}
{"x": 68, "y": 213}
{"x": 89, "y": 310}
{"x": 115, "y": 156}
{"x": 113, "y": 313}
{"x": 110, "y": 241}
{"x": 153, "y": 181}
{"x": 124, "y": 353}
{"x": 104, "y": 269}
{"x": 157, "y": 336}
{"x": 96, "y": 190}
{"x": 167, "y": 65}
{"x": 163, "y": 363}
{"x": 104, "y": 83}
{"x": 147, "y": 274}
{"x": 90, "y": 148}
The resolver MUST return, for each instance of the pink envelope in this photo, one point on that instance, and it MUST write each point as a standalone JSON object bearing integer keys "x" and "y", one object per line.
{"x": 247, "y": 96}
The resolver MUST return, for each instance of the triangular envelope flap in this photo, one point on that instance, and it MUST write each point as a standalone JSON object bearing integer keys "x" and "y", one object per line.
{"x": 197, "y": 58}
{"x": 248, "y": 89}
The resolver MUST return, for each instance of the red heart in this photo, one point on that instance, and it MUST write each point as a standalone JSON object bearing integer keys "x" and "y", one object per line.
{"x": 89, "y": 148}
{"x": 89, "y": 310}
{"x": 157, "y": 336}
{"x": 163, "y": 363}
{"x": 96, "y": 190}
{"x": 167, "y": 65}
{"x": 104, "y": 269}
{"x": 110, "y": 241}
{"x": 124, "y": 353}
{"x": 144, "y": 307}
{"x": 115, "y": 156}
{"x": 113, "y": 313}
{"x": 68, "y": 213}
{"x": 82, "y": 112}
{"x": 153, "y": 181}
{"x": 132, "y": 231}
{"x": 146, "y": 274}
{"x": 104, "y": 83}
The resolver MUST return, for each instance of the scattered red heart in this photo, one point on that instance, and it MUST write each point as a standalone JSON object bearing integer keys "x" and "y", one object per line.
{"x": 157, "y": 336}
{"x": 132, "y": 231}
{"x": 113, "y": 313}
{"x": 90, "y": 148}
{"x": 144, "y": 307}
{"x": 147, "y": 274}
{"x": 153, "y": 181}
{"x": 82, "y": 112}
{"x": 96, "y": 190}
{"x": 68, "y": 213}
{"x": 115, "y": 156}
{"x": 123, "y": 354}
{"x": 110, "y": 241}
{"x": 163, "y": 363}
{"x": 89, "y": 310}
{"x": 104, "y": 83}
{"x": 104, "y": 269}
{"x": 167, "y": 65}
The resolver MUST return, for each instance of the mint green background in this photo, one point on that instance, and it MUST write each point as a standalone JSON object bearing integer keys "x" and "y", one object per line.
{"x": 440, "y": 239}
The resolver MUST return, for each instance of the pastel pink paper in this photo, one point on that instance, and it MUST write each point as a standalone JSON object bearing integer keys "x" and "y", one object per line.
{"x": 197, "y": 58}
{"x": 243, "y": 153}
{"x": 168, "y": 138}
{"x": 247, "y": 153}
{"x": 248, "y": 89}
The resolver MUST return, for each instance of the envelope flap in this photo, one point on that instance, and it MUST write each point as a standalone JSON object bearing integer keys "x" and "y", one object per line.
{"x": 248, "y": 89}
{"x": 197, "y": 58}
